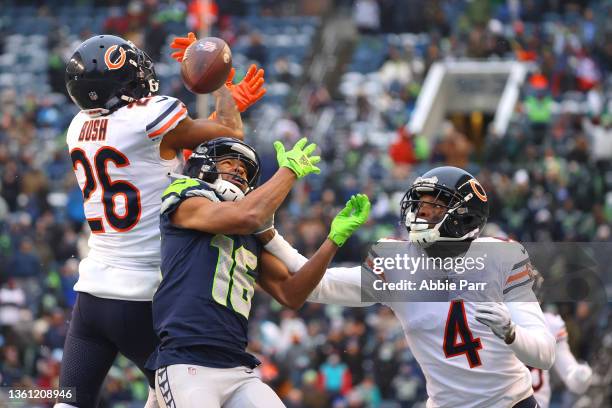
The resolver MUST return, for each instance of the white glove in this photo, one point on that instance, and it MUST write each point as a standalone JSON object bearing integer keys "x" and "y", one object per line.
{"x": 497, "y": 316}
{"x": 579, "y": 378}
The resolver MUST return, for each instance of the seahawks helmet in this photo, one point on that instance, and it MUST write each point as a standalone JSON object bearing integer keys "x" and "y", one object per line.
{"x": 463, "y": 198}
{"x": 202, "y": 164}
{"x": 106, "y": 72}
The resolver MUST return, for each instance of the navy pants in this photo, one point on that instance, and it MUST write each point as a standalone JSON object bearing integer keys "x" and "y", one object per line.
{"x": 99, "y": 329}
{"x": 527, "y": 403}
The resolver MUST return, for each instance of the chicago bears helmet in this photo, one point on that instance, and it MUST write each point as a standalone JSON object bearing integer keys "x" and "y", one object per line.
{"x": 458, "y": 193}
{"x": 106, "y": 72}
{"x": 202, "y": 164}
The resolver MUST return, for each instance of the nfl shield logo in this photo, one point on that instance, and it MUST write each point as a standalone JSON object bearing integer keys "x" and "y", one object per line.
{"x": 191, "y": 371}
{"x": 93, "y": 96}
{"x": 209, "y": 46}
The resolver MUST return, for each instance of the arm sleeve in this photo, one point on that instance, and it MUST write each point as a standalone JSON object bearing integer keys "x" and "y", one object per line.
{"x": 533, "y": 343}
{"x": 339, "y": 286}
{"x": 577, "y": 377}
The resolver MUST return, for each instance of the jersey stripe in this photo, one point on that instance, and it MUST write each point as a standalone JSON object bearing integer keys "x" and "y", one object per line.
{"x": 169, "y": 123}
{"x": 508, "y": 289}
{"x": 523, "y": 262}
{"x": 162, "y": 116}
{"x": 517, "y": 276}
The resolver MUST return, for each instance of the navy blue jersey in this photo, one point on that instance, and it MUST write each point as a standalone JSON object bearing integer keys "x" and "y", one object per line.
{"x": 201, "y": 308}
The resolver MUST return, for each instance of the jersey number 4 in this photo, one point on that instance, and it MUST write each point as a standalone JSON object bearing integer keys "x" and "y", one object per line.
{"x": 98, "y": 173}
{"x": 456, "y": 324}
{"x": 232, "y": 285}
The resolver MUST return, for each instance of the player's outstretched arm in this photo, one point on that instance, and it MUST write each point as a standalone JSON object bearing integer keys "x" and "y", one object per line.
{"x": 522, "y": 327}
{"x": 577, "y": 377}
{"x": 189, "y": 133}
{"x": 339, "y": 286}
{"x": 292, "y": 290}
{"x": 226, "y": 110}
{"x": 247, "y": 215}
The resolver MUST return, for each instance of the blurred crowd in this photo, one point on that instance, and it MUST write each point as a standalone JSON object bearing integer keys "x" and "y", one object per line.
{"x": 548, "y": 178}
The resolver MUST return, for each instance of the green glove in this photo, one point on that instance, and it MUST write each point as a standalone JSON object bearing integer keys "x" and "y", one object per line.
{"x": 353, "y": 216}
{"x": 298, "y": 159}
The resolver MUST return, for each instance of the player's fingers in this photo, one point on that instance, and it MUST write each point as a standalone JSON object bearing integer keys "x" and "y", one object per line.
{"x": 178, "y": 55}
{"x": 301, "y": 143}
{"x": 257, "y": 76}
{"x": 182, "y": 42}
{"x": 256, "y": 85}
{"x": 365, "y": 209}
{"x": 191, "y": 37}
{"x": 230, "y": 76}
{"x": 253, "y": 69}
{"x": 309, "y": 149}
{"x": 315, "y": 159}
{"x": 278, "y": 146}
{"x": 250, "y": 73}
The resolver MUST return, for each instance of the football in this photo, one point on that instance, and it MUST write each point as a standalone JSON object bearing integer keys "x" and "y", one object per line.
{"x": 206, "y": 65}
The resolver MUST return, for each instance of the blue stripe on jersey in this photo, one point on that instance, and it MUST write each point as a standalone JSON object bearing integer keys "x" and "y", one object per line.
{"x": 508, "y": 289}
{"x": 163, "y": 115}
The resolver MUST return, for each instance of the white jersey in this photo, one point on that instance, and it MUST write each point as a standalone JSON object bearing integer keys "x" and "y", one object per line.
{"x": 541, "y": 378}
{"x": 118, "y": 166}
{"x": 464, "y": 363}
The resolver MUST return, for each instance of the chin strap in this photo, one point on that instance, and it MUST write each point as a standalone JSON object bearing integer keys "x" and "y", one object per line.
{"x": 228, "y": 191}
{"x": 425, "y": 236}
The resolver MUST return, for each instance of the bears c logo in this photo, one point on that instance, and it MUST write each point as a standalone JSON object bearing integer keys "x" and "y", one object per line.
{"x": 478, "y": 190}
{"x": 119, "y": 62}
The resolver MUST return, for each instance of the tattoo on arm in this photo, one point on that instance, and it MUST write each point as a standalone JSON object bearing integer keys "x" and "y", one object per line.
{"x": 227, "y": 112}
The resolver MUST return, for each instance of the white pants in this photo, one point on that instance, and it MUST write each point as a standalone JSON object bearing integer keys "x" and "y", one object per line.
{"x": 191, "y": 386}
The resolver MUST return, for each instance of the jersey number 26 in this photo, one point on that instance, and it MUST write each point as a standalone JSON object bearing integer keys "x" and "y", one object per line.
{"x": 98, "y": 173}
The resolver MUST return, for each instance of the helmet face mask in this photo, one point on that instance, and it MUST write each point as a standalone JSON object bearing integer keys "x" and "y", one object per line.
{"x": 445, "y": 204}
{"x": 106, "y": 72}
{"x": 202, "y": 164}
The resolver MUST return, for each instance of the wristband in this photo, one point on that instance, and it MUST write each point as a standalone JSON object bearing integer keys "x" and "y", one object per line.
{"x": 286, "y": 253}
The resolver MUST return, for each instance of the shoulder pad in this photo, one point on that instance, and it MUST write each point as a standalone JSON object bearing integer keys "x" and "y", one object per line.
{"x": 182, "y": 189}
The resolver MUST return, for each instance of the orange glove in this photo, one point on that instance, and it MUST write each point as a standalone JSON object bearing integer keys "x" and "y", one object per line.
{"x": 246, "y": 93}
{"x": 181, "y": 44}
{"x": 249, "y": 90}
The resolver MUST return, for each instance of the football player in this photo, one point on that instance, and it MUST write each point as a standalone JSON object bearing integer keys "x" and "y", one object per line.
{"x": 123, "y": 143}
{"x": 576, "y": 377}
{"x": 210, "y": 263}
{"x": 473, "y": 354}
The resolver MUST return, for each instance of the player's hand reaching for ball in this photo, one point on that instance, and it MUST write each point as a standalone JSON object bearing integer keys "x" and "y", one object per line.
{"x": 353, "y": 216}
{"x": 299, "y": 159}
{"x": 181, "y": 44}
{"x": 245, "y": 93}
{"x": 248, "y": 91}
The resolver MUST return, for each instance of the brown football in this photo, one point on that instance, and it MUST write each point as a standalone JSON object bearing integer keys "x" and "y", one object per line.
{"x": 206, "y": 65}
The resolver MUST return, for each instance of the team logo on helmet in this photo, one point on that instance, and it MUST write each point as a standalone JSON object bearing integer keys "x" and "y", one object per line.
{"x": 119, "y": 62}
{"x": 478, "y": 190}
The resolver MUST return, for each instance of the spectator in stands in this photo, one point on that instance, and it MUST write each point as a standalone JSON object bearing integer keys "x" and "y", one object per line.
{"x": 334, "y": 377}
{"x": 257, "y": 50}
{"x": 366, "y": 15}
{"x": 25, "y": 264}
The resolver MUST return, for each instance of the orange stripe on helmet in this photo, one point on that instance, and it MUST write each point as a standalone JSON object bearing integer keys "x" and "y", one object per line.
{"x": 119, "y": 62}
{"x": 478, "y": 190}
